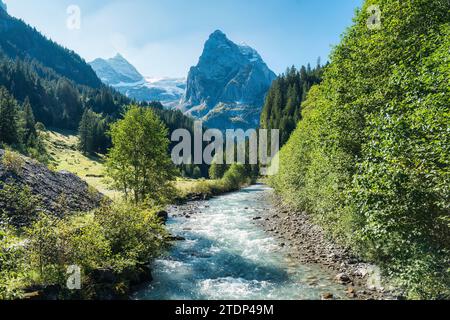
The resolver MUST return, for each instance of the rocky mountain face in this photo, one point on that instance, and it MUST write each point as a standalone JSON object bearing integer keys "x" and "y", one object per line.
{"x": 2, "y": 5}
{"x": 123, "y": 76}
{"x": 116, "y": 70}
{"x": 54, "y": 189}
{"x": 228, "y": 86}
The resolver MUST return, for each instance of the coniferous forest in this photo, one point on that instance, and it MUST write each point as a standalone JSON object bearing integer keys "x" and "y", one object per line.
{"x": 282, "y": 108}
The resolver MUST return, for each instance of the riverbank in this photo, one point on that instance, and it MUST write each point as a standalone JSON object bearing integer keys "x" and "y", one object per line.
{"x": 307, "y": 243}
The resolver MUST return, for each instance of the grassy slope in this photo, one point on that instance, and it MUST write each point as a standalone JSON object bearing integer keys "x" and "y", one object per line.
{"x": 62, "y": 146}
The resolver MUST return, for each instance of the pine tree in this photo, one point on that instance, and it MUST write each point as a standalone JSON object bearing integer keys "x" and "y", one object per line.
{"x": 29, "y": 124}
{"x": 84, "y": 132}
{"x": 8, "y": 118}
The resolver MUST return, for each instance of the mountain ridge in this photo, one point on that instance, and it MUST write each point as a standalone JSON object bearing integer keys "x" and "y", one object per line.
{"x": 226, "y": 89}
{"x": 20, "y": 40}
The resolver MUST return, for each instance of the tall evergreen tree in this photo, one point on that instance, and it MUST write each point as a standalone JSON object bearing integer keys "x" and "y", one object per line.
{"x": 29, "y": 123}
{"x": 84, "y": 132}
{"x": 8, "y": 118}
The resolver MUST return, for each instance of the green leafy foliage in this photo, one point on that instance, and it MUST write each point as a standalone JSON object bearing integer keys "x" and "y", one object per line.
{"x": 118, "y": 238}
{"x": 370, "y": 158}
{"x": 12, "y": 257}
{"x": 217, "y": 171}
{"x": 19, "y": 207}
{"x": 138, "y": 163}
{"x": 235, "y": 177}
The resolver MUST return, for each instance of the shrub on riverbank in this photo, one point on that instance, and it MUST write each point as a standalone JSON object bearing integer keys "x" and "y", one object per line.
{"x": 12, "y": 261}
{"x": 112, "y": 246}
{"x": 370, "y": 159}
{"x": 114, "y": 240}
{"x": 235, "y": 177}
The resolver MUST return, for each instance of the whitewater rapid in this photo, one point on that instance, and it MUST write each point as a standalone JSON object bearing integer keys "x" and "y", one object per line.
{"x": 228, "y": 256}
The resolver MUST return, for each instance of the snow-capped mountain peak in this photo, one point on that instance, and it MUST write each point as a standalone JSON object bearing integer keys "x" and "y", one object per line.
{"x": 123, "y": 76}
{"x": 116, "y": 70}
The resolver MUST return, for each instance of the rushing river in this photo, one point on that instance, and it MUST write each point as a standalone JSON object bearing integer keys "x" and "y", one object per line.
{"x": 228, "y": 256}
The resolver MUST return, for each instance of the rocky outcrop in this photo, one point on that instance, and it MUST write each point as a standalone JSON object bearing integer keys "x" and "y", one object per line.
{"x": 228, "y": 86}
{"x": 54, "y": 189}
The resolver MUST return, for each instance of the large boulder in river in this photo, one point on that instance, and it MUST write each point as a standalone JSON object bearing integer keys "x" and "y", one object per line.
{"x": 56, "y": 190}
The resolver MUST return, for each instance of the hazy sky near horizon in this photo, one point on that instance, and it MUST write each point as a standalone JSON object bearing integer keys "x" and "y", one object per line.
{"x": 166, "y": 37}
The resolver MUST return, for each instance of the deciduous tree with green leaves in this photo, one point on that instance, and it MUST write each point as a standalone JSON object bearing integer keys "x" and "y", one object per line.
{"x": 139, "y": 162}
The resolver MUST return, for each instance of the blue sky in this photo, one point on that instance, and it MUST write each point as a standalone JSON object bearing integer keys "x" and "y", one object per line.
{"x": 166, "y": 37}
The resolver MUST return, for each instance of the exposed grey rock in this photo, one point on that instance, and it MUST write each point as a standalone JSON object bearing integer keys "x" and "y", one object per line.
{"x": 327, "y": 296}
{"x": 343, "y": 278}
{"x": 228, "y": 86}
{"x": 55, "y": 189}
{"x": 308, "y": 243}
{"x": 176, "y": 238}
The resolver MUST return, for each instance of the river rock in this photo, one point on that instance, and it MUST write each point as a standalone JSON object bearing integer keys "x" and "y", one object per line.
{"x": 104, "y": 275}
{"x": 42, "y": 292}
{"x": 343, "y": 278}
{"x": 351, "y": 292}
{"x": 327, "y": 296}
{"x": 163, "y": 215}
{"x": 176, "y": 238}
{"x": 138, "y": 275}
